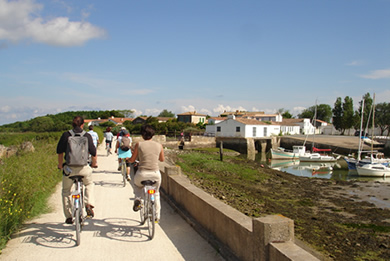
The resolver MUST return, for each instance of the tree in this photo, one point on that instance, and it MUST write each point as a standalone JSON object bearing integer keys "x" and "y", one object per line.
{"x": 382, "y": 116}
{"x": 366, "y": 110}
{"x": 337, "y": 119}
{"x": 348, "y": 113}
{"x": 166, "y": 113}
{"x": 285, "y": 113}
{"x": 126, "y": 113}
{"x": 324, "y": 112}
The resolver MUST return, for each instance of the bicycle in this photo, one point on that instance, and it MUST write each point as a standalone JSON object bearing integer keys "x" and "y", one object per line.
{"x": 78, "y": 205}
{"x": 124, "y": 171}
{"x": 108, "y": 149}
{"x": 148, "y": 206}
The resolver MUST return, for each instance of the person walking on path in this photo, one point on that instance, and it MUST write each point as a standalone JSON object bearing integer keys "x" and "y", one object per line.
{"x": 148, "y": 153}
{"x": 82, "y": 169}
{"x": 95, "y": 136}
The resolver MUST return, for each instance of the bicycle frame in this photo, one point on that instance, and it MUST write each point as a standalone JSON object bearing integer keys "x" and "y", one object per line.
{"x": 78, "y": 206}
{"x": 124, "y": 171}
{"x": 148, "y": 209}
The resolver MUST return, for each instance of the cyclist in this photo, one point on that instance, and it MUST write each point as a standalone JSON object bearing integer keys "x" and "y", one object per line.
{"x": 86, "y": 171}
{"x": 109, "y": 137}
{"x": 124, "y": 154}
{"x": 94, "y": 135}
{"x": 148, "y": 152}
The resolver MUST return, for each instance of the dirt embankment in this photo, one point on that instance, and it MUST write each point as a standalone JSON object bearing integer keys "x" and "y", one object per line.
{"x": 345, "y": 220}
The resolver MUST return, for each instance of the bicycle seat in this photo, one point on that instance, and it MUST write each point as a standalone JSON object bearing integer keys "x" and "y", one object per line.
{"x": 77, "y": 177}
{"x": 148, "y": 182}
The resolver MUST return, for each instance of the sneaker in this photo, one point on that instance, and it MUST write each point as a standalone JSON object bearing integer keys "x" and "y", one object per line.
{"x": 157, "y": 221}
{"x": 89, "y": 209}
{"x": 128, "y": 177}
{"x": 137, "y": 205}
{"x": 69, "y": 221}
{"x": 119, "y": 168}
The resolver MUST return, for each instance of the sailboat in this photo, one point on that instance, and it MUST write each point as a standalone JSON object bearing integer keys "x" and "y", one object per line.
{"x": 374, "y": 168}
{"x": 315, "y": 155}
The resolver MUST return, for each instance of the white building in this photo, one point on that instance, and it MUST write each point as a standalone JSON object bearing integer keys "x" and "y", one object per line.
{"x": 245, "y": 128}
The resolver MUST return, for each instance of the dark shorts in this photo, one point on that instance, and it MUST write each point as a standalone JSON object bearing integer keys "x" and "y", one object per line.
{"x": 109, "y": 142}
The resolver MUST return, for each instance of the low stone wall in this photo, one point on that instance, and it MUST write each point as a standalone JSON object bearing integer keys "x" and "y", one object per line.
{"x": 6, "y": 152}
{"x": 239, "y": 237}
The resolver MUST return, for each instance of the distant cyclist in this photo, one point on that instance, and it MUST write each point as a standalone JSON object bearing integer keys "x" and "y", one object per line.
{"x": 123, "y": 148}
{"x": 95, "y": 137}
{"x": 149, "y": 153}
{"x": 70, "y": 170}
{"x": 109, "y": 137}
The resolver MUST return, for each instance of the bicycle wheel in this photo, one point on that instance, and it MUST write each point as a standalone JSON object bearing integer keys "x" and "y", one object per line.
{"x": 124, "y": 173}
{"x": 142, "y": 212}
{"x": 78, "y": 225}
{"x": 151, "y": 218}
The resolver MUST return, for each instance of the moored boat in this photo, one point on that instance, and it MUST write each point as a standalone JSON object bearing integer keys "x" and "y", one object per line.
{"x": 373, "y": 170}
{"x": 282, "y": 153}
{"x": 316, "y": 157}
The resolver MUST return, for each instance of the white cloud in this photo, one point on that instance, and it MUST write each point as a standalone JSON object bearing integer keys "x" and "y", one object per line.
{"x": 378, "y": 74}
{"x": 188, "y": 108}
{"x": 20, "y": 20}
{"x": 5, "y": 108}
{"x": 354, "y": 63}
{"x": 221, "y": 108}
{"x": 153, "y": 112}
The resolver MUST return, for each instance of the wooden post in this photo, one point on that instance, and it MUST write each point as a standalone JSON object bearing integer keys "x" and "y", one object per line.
{"x": 221, "y": 150}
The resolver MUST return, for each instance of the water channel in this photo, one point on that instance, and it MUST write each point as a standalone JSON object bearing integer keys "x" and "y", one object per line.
{"x": 338, "y": 170}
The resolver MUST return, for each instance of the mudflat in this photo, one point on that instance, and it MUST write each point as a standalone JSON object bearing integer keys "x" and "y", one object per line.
{"x": 344, "y": 220}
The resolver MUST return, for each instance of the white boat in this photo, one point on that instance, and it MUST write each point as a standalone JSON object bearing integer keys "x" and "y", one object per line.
{"x": 373, "y": 170}
{"x": 282, "y": 153}
{"x": 316, "y": 157}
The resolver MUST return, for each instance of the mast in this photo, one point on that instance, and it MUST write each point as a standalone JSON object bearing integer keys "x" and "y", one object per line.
{"x": 360, "y": 133}
{"x": 373, "y": 127}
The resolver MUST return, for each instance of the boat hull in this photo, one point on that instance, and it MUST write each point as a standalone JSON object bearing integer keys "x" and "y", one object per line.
{"x": 373, "y": 170}
{"x": 280, "y": 154}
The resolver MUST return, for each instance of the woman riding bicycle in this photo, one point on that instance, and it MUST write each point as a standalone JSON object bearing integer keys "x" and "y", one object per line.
{"x": 148, "y": 153}
{"x": 124, "y": 152}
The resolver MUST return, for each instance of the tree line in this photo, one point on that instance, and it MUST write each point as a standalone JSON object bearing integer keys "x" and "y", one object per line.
{"x": 342, "y": 116}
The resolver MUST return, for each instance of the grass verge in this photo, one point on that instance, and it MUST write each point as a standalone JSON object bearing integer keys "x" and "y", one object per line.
{"x": 26, "y": 182}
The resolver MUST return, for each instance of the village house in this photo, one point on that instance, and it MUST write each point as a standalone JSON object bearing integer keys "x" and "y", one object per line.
{"x": 245, "y": 128}
{"x": 191, "y": 117}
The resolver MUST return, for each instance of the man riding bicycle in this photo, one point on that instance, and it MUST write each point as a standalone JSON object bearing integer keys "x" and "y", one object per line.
{"x": 82, "y": 169}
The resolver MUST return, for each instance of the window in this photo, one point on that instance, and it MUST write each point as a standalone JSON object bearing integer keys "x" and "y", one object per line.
{"x": 238, "y": 129}
{"x": 254, "y": 131}
{"x": 219, "y": 129}
{"x": 265, "y": 132}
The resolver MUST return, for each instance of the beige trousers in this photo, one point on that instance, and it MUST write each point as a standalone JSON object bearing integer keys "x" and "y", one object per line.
{"x": 67, "y": 183}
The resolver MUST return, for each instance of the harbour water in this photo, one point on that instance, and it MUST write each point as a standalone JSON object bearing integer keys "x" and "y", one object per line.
{"x": 338, "y": 170}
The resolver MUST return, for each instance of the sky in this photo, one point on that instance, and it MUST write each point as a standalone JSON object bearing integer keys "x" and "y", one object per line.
{"x": 207, "y": 56}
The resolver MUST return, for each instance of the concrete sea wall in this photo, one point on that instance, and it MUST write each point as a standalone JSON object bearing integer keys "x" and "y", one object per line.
{"x": 235, "y": 235}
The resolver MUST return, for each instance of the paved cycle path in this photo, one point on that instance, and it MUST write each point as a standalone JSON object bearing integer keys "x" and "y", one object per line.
{"x": 113, "y": 234}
